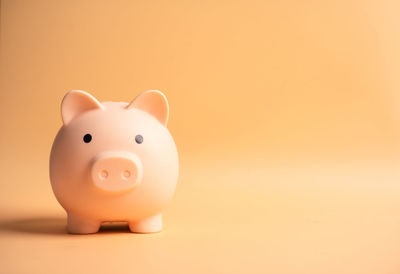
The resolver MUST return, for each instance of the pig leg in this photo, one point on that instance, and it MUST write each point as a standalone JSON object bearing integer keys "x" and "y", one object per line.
{"x": 149, "y": 225}
{"x": 80, "y": 225}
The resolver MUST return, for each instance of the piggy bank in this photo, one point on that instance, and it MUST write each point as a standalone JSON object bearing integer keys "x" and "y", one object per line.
{"x": 114, "y": 161}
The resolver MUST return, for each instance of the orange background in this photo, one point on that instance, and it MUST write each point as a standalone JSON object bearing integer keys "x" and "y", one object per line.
{"x": 285, "y": 114}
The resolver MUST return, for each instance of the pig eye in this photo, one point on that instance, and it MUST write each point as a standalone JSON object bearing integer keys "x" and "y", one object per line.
{"x": 87, "y": 138}
{"x": 139, "y": 139}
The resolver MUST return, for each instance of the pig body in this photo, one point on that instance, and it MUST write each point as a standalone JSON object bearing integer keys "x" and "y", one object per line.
{"x": 114, "y": 162}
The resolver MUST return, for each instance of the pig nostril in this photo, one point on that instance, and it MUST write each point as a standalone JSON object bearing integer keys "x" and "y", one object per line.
{"x": 126, "y": 174}
{"x": 103, "y": 174}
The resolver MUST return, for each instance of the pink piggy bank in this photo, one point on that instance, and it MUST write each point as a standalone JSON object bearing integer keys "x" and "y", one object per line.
{"x": 114, "y": 161}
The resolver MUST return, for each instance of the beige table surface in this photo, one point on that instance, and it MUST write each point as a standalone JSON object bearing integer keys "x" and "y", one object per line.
{"x": 302, "y": 219}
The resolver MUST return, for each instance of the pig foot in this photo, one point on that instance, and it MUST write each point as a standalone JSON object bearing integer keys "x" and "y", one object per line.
{"x": 149, "y": 225}
{"x": 80, "y": 225}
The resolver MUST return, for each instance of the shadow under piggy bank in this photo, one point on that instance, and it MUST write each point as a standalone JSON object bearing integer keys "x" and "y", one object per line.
{"x": 54, "y": 226}
{"x": 39, "y": 225}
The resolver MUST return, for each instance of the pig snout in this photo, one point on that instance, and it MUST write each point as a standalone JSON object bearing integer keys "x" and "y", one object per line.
{"x": 116, "y": 171}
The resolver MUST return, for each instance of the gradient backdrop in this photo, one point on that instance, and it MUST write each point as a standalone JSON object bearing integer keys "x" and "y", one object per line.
{"x": 285, "y": 113}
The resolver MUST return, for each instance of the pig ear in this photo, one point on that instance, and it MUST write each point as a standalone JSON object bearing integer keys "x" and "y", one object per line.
{"x": 153, "y": 102}
{"x": 75, "y": 103}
